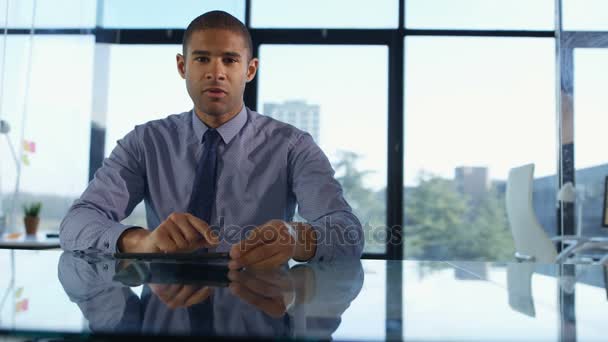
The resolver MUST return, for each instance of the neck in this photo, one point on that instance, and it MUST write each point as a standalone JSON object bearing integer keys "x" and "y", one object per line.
{"x": 215, "y": 121}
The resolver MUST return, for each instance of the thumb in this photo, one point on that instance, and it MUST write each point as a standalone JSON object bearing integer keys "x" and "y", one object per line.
{"x": 202, "y": 243}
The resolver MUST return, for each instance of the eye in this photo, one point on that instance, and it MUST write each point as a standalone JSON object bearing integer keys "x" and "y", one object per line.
{"x": 230, "y": 60}
{"x": 202, "y": 59}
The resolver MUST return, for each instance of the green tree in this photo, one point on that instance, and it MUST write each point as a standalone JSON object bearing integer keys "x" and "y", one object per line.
{"x": 368, "y": 205}
{"x": 433, "y": 213}
{"x": 489, "y": 237}
{"x": 443, "y": 224}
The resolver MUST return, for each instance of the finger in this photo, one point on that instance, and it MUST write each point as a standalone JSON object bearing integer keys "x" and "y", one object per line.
{"x": 273, "y": 307}
{"x": 258, "y": 254}
{"x": 272, "y": 262}
{"x": 176, "y": 234}
{"x": 163, "y": 241}
{"x": 263, "y": 252}
{"x": 158, "y": 289}
{"x": 203, "y": 228}
{"x": 255, "y": 238}
{"x": 200, "y": 244}
{"x": 182, "y": 296}
{"x": 166, "y": 292}
{"x": 189, "y": 232}
{"x": 172, "y": 290}
{"x": 199, "y": 296}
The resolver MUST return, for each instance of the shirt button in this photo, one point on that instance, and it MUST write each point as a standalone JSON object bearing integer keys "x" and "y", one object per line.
{"x": 321, "y": 258}
{"x": 105, "y": 267}
{"x": 106, "y": 244}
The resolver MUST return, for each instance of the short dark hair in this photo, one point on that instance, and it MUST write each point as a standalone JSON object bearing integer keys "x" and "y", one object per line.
{"x": 217, "y": 20}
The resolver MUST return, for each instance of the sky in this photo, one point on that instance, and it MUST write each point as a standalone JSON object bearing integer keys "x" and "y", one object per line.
{"x": 468, "y": 101}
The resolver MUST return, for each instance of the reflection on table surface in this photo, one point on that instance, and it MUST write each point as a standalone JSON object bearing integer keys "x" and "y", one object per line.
{"x": 60, "y": 292}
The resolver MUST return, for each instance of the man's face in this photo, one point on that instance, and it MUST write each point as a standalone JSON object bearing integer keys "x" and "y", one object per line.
{"x": 216, "y": 68}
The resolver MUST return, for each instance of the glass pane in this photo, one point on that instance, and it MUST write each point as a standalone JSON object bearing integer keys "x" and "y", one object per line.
{"x": 590, "y": 289}
{"x": 351, "y": 132}
{"x": 469, "y": 118}
{"x": 440, "y": 300}
{"x": 590, "y": 81}
{"x": 162, "y": 13}
{"x": 588, "y": 15}
{"x": 480, "y": 14}
{"x": 48, "y": 13}
{"x": 25, "y": 301}
{"x": 325, "y": 14}
{"x": 369, "y": 307}
{"x": 136, "y": 96}
{"x": 47, "y": 102}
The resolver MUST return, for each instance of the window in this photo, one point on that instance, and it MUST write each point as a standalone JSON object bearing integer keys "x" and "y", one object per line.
{"x": 352, "y": 119}
{"x": 590, "y": 81}
{"x": 48, "y": 14}
{"x": 53, "y": 109}
{"x": 324, "y": 14}
{"x": 588, "y": 15}
{"x": 474, "y": 108}
{"x": 154, "y": 13}
{"x": 136, "y": 95}
{"x": 480, "y": 14}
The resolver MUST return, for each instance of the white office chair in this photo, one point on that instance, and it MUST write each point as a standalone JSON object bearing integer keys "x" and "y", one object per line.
{"x": 531, "y": 242}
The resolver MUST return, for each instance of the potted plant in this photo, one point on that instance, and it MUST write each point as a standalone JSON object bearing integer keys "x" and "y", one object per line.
{"x": 31, "y": 219}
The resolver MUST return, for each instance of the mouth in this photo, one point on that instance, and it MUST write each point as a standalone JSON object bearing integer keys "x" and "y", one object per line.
{"x": 215, "y": 92}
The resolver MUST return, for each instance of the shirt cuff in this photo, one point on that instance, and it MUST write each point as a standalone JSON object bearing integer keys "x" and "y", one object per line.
{"x": 108, "y": 242}
{"x": 324, "y": 250}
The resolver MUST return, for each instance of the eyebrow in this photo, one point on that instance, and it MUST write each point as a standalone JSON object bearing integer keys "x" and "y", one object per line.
{"x": 207, "y": 53}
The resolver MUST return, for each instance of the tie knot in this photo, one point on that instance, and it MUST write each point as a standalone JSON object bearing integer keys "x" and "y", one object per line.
{"x": 211, "y": 137}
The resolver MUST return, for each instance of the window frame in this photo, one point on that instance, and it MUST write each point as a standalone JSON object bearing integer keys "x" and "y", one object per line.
{"x": 394, "y": 39}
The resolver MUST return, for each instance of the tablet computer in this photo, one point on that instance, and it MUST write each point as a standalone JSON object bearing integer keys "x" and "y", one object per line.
{"x": 194, "y": 257}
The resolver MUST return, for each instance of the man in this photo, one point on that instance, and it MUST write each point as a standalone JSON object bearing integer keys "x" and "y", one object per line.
{"x": 220, "y": 177}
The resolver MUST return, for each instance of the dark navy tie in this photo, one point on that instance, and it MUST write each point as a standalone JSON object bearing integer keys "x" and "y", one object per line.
{"x": 203, "y": 192}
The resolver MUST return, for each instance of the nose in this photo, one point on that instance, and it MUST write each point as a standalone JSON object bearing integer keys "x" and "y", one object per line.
{"x": 216, "y": 71}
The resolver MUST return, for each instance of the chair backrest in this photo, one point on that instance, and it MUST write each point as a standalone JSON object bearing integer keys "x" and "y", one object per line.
{"x": 529, "y": 236}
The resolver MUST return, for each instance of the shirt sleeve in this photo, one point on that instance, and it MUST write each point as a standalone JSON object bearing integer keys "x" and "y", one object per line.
{"x": 322, "y": 204}
{"x": 93, "y": 221}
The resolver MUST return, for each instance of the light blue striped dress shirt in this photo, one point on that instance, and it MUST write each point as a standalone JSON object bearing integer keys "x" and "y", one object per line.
{"x": 265, "y": 168}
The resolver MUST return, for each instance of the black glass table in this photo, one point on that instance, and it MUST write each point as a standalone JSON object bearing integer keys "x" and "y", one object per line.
{"x": 56, "y": 294}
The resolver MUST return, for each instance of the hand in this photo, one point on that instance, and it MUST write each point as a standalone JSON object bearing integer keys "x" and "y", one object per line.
{"x": 269, "y": 245}
{"x": 180, "y": 232}
{"x": 270, "y": 291}
{"x": 181, "y": 296}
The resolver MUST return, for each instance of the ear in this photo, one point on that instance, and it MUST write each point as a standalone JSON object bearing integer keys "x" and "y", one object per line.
{"x": 252, "y": 69}
{"x": 181, "y": 65}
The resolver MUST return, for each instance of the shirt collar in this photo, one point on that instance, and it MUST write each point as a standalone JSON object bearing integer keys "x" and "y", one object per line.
{"x": 227, "y": 131}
